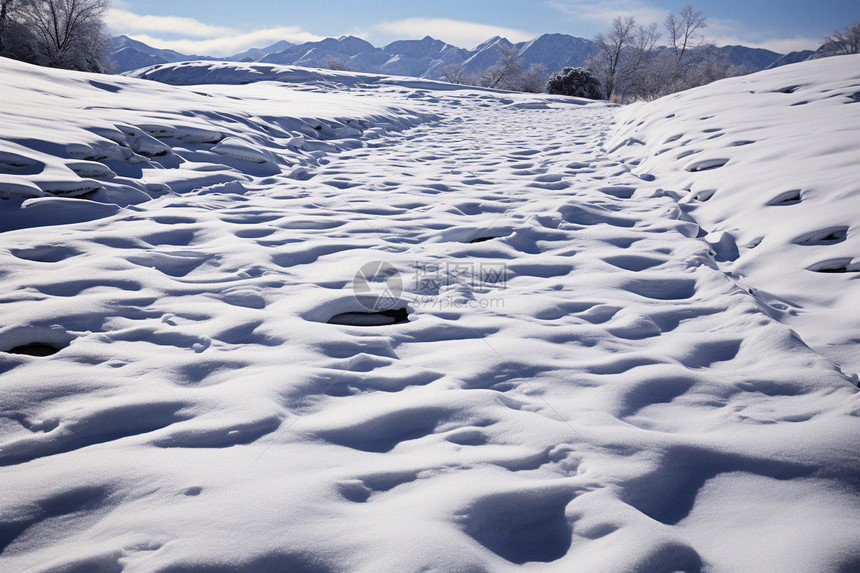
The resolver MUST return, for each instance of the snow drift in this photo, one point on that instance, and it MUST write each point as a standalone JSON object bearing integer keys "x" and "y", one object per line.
{"x": 767, "y": 165}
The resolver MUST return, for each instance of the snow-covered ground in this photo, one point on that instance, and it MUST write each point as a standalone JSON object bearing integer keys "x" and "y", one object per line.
{"x": 580, "y": 366}
{"x": 769, "y": 167}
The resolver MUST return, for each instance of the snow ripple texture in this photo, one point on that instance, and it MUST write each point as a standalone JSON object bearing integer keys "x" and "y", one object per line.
{"x": 173, "y": 397}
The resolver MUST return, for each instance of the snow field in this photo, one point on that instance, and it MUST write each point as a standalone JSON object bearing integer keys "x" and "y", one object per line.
{"x": 767, "y": 165}
{"x": 616, "y": 400}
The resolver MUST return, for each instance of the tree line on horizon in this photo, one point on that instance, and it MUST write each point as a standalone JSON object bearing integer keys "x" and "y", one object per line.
{"x": 629, "y": 65}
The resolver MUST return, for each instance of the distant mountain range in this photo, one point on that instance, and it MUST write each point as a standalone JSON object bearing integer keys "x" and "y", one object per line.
{"x": 425, "y": 58}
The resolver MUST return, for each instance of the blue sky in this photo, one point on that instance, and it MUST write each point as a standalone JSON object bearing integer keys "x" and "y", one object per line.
{"x": 221, "y": 28}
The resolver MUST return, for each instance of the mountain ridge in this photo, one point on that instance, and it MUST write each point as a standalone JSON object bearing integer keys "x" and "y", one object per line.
{"x": 424, "y": 58}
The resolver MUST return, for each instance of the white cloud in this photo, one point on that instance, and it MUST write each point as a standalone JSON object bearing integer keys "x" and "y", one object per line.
{"x": 603, "y": 12}
{"x": 780, "y": 45}
{"x": 126, "y": 21}
{"x": 195, "y": 37}
{"x": 730, "y": 33}
{"x": 455, "y": 32}
{"x": 227, "y": 45}
{"x": 720, "y": 32}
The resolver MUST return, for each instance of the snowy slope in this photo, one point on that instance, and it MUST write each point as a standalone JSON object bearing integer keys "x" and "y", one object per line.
{"x": 769, "y": 167}
{"x": 121, "y": 141}
{"x": 578, "y": 384}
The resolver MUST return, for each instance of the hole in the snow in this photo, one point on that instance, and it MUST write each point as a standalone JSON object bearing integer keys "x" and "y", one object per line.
{"x": 788, "y": 89}
{"x": 35, "y": 349}
{"x": 704, "y": 195}
{"x": 834, "y": 266}
{"x": 706, "y": 165}
{"x": 380, "y": 318}
{"x": 828, "y": 236}
{"x": 106, "y": 87}
{"x": 788, "y": 198}
{"x": 34, "y": 340}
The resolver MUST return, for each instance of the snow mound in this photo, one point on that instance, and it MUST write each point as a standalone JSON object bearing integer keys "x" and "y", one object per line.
{"x": 767, "y": 165}
{"x": 122, "y": 140}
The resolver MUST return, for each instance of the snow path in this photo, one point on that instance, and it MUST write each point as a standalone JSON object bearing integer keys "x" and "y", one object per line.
{"x": 612, "y": 401}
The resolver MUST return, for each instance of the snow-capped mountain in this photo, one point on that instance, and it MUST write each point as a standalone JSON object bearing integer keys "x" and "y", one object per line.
{"x": 425, "y": 58}
{"x": 255, "y": 54}
{"x": 755, "y": 59}
{"x": 556, "y": 51}
{"x": 129, "y": 54}
{"x": 314, "y": 54}
{"x": 792, "y": 58}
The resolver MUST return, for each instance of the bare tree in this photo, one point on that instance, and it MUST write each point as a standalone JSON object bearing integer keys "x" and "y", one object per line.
{"x": 455, "y": 73}
{"x": 506, "y": 72}
{"x": 611, "y": 47}
{"x": 685, "y": 37}
{"x": 533, "y": 80}
{"x": 69, "y": 33}
{"x": 336, "y": 64}
{"x": 16, "y": 40}
{"x": 622, "y": 54}
{"x": 7, "y": 8}
{"x": 694, "y": 60}
{"x": 843, "y": 42}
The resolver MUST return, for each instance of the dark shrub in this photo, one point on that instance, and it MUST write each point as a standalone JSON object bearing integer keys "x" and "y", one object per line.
{"x": 576, "y": 82}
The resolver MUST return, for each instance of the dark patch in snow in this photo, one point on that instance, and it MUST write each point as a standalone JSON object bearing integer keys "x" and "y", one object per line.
{"x": 45, "y": 254}
{"x": 792, "y": 197}
{"x": 834, "y": 266}
{"x": 787, "y": 90}
{"x": 688, "y": 153}
{"x": 706, "y": 165}
{"x": 828, "y": 236}
{"x": 16, "y": 164}
{"x": 381, "y": 318}
{"x": 106, "y": 87}
{"x": 634, "y": 263}
{"x": 35, "y": 349}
